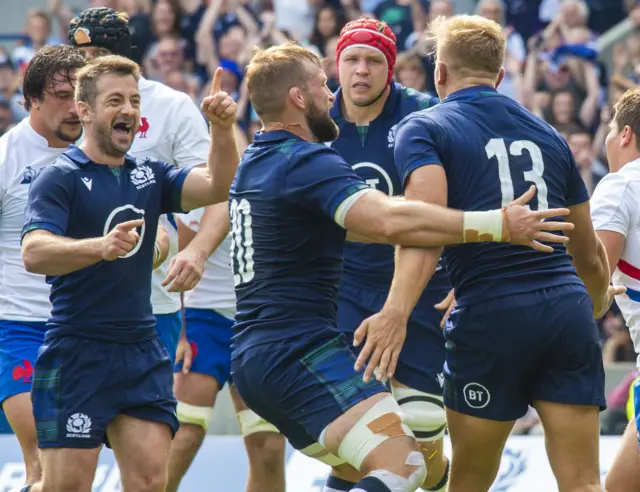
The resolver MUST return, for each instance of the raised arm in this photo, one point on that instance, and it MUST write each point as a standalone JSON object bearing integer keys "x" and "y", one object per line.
{"x": 211, "y": 185}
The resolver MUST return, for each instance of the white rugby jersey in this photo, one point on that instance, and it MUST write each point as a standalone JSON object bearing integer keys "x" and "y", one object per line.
{"x": 215, "y": 290}
{"x": 173, "y": 130}
{"x": 615, "y": 206}
{"x": 24, "y": 296}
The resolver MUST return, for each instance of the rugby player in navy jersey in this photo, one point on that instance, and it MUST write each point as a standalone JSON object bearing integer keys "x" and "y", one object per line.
{"x": 290, "y": 202}
{"x": 367, "y": 110}
{"x": 102, "y": 374}
{"x": 523, "y": 332}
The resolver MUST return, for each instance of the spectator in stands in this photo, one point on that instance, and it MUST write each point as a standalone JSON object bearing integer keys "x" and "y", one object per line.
{"x": 328, "y": 23}
{"x": 618, "y": 346}
{"x": 409, "y": 71}
{"x": 37, "y": 33}
{"x": 6, "y": 116}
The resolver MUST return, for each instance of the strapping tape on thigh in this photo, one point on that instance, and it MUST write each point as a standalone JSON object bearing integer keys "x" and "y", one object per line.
{"x": 194, "y": 415}
{"x": 423, "y": 412}
{"x": 380, "y": 423}
{"x": 321, "y": 454}
{"x": 252, "y": 423}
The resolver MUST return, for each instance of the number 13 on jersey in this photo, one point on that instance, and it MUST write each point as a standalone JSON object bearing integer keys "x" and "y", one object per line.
{"x": 497, "y": 148}
{"x": 241, "y": 241}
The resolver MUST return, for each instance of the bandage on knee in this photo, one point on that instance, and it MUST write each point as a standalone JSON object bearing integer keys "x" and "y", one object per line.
{"x": 380, "y": 423}
{"x": 423, "y": 412}
{"x": 194, "y": 415}
{"x": 252, "y": 423}
{"x": 397, "y": 483}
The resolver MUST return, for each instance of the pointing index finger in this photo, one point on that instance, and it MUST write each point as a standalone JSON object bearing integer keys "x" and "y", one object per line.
{"x": 216, "y": 84}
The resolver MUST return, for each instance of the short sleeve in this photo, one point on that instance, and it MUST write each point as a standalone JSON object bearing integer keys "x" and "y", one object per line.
{"x": 576, "y": 189}
{"x": 192, "y": 219}
{"x": 172, "y": 182}
{"x": 49, "y": 202}
{"x": 415, "y": 147}
{"x": 613, "y": 206}
{"x": 191, "y": 142}
{"x": 319, "y": 178}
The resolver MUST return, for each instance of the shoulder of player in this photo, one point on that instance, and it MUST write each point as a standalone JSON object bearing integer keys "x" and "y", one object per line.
{"x": 304, "y": 151}
{"x": 413, "y": 100}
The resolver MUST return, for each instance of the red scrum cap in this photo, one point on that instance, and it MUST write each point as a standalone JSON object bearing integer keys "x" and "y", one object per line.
{"x": 371, "y": 33}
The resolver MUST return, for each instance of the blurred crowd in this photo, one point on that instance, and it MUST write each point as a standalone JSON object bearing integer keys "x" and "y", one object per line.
{"x": 553, "y": 65}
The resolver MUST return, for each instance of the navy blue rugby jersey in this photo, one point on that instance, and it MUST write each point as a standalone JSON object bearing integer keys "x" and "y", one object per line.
{"x": 492, "y": 149}
{"x": 80, "y": 199}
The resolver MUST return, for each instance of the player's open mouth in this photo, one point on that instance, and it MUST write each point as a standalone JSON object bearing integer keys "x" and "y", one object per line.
{"x": 123, "y": 128}
{"x": 361, "y": 85}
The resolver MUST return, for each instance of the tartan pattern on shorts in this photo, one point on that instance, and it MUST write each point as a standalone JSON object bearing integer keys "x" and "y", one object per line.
{"x": 332, "y": 365}
{"x": 44, "y": 392}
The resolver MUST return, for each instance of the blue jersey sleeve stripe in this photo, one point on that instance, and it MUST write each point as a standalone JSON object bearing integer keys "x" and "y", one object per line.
{"x": 344, "y": 194}
{"x": 431, "y": 161}
{"x": 179, "y": 184}
{"x": 33, "y": 226}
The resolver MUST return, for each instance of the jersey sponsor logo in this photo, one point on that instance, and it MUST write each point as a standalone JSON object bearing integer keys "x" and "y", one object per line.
{"x": 142, "y": 176}
{"x": 79, "y": 425}
{"x": 391, "y": 137}
{"x": 24, "y": 372}
{"x": 28, "y": 175}
{"x": 87, "y": 182}
{"x": 127, "y": 212}
{"x": 375, "y": 176}
{"x": 440, "y": 375}
{"x": 476, "y": 395}
{"x": 143, "y": 128}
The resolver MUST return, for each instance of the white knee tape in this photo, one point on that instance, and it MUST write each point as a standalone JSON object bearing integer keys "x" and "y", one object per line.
{"x": 396, "y": 483}
{"x": 319, "y": 453}
{"x": 252, "y": 423}
{"x": 194, "y": 415}
{"x": 380, "y": 423}
{"x": 422, "y": 412}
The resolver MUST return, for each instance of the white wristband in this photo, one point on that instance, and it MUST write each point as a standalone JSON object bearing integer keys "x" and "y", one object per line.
{"x": 482, "y": 226}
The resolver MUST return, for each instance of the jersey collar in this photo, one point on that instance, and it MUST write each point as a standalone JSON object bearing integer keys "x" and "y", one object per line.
{"x": 389, "y": 108}
{"x": 274, "y": 136}
{"x": 471, "y": 93}
{"x": 76, "y": 155}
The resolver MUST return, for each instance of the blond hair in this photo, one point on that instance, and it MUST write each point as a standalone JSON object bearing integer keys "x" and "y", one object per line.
{"x": 626, "y": 112}
{"x": 272, "y": 72}
{"x": 469, "y": 45}
{"x": 87, "y": 77}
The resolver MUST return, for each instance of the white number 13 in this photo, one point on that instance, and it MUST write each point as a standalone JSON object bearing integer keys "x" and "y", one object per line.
{"x": 498, "y": 149}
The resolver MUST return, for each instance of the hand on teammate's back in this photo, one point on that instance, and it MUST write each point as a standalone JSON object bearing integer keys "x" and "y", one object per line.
{"x": 527, "y": 227}
{"x": 385, "y": 333}
{"x": 219, "y": 107}
{"x": 447, "y": 305}
{"x": 600, "y": 310}
{"x": 121, "y": 240}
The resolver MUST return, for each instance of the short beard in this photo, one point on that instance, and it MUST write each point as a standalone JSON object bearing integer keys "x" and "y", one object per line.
{"x": 66, "y": 137}
{"x": 106, "y": 146}
{"x": 322, "y": 126}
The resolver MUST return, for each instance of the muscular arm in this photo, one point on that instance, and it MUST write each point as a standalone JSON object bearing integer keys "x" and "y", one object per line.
{"x": 46, "y": 253}
{"x": 613, "y": 243}
{"x": 589, "y": 255}
{"x": 414, "y": 267}
{"x": 162, "y": 246}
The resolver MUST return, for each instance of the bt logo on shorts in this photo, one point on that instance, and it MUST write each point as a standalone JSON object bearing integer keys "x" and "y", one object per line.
{"x": 79, "y": 425}
{"x": 476, "y": 395}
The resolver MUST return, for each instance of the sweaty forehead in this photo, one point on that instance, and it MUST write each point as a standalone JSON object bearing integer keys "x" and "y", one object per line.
{"x": 62, "y": 81}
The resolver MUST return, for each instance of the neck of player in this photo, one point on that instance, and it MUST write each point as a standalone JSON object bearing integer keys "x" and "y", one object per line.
{"x": 458, "y": 85}
{"x": 92, "y": 150}
{"x": 43, "y": 130}
{"x": 363, "y": 115}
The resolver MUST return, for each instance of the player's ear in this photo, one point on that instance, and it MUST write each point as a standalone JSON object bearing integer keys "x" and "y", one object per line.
{"x": 440, "y": 74}
{"x": 84, "y": 111}
{"x": 628, "y": 137}
{"x": 500, "y": 77}
{"x": 297, "y": 98}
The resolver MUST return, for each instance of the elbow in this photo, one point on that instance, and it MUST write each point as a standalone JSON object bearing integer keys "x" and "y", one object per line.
{"x": 32, "y": 261}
